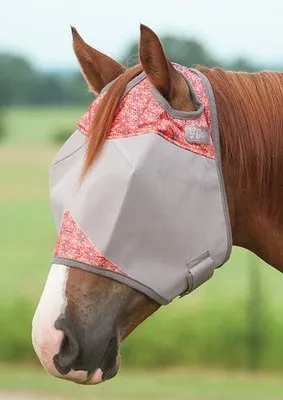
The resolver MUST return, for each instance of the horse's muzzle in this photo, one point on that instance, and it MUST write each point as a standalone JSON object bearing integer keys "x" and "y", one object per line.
{"x": 81, "y": 352}
{"x": 65, "y": 349}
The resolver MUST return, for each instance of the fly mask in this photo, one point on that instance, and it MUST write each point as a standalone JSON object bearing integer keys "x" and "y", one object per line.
{"x": 152, "y": 210}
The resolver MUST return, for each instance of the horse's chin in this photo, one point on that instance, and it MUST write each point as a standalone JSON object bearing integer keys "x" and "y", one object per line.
{"x": 83, "y": 377}
{"x": 104, "y": 373}
{"x": 100, "y": 376}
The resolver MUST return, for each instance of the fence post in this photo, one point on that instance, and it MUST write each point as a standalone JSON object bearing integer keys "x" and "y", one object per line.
{"x": 2, "y": 124}
{"x": 254, "y": 314}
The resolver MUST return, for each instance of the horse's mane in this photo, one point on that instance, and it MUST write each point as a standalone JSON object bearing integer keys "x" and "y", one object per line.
{"x": 250, "y": 116}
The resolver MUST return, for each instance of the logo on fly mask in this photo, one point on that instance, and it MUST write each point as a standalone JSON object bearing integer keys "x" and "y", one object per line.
{"x": 197, "y": 134}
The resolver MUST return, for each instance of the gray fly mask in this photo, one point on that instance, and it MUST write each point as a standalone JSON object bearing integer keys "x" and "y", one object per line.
{"x": 152, "y": 211}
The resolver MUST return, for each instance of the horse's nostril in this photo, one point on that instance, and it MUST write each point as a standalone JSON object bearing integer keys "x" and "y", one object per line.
{"x": 69, "y": 350}
{"x": 110, "y": 355}
{"x": 82, "y": 352}
{"x": 109, "y": 361}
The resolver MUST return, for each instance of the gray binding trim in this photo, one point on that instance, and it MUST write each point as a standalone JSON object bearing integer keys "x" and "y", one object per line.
{"x": 178, "y": 114}
{"x": 113, "y": 275}
{"x": 69, "y": 155}
{"x": 216, "y": 142}
{"x": 140, "y": 77}
{"x": 106, "y": 87}
{"x": 134, "y": 82}
{"x": 162, "y": 101}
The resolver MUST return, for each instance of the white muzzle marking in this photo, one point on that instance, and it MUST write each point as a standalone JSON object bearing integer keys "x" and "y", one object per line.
{"x": 45, "y": 338}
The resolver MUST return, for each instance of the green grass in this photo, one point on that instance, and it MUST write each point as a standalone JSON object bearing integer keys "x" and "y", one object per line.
{"x": 179, "y": 384}
{"x": 36, "y": 125}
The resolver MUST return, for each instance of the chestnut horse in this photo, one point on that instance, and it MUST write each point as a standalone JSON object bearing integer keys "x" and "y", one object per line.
{"x": 100, "y": 312}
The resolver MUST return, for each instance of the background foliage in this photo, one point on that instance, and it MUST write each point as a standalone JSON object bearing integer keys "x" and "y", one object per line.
{"x": 22, "y": 84}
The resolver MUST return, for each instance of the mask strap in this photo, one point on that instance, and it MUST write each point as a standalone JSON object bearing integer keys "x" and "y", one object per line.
{"x": 200, "y": 270}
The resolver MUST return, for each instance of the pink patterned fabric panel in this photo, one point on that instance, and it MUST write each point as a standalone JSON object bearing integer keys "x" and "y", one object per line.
{"x": 139, "y": 113}
{"x": 74, "y": 244}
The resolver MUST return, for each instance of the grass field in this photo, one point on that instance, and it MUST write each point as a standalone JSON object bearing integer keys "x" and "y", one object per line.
{"x": 207, "y": 328}
{"x": 179, "y": 384}
{"x": 36, "y": 125}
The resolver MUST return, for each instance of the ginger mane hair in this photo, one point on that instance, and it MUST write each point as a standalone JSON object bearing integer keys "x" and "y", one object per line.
{"x": 250, "y": 118}
{"x": 104, "y": 115}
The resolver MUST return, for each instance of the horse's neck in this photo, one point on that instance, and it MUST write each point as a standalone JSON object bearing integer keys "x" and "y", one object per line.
{"x": 250, "y": 115}
{"x": 251, "y": 228}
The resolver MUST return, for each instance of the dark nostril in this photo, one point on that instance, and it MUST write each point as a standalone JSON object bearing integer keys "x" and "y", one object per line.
{"x": 108, "y": 364}
{"x": 69, "y": 350}
{"x": 82, "y": 352}
{"x": 110, "y": 355}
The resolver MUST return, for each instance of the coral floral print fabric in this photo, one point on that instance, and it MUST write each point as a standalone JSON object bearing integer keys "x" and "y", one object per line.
{"x": 139, "y": 113}
{"x": 74, "y": 244}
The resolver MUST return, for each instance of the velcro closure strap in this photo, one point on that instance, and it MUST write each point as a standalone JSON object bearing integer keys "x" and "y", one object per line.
{"x": 200, "y": 270}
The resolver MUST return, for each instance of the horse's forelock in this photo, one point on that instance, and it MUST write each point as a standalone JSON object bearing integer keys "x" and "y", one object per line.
{"x": 104, "y": 115}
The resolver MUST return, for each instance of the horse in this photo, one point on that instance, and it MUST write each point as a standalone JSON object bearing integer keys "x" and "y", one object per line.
{"x": 82, "y": 317}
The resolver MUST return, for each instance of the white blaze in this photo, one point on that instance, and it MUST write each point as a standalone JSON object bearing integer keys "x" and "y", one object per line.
{"x": 45, "y": 338}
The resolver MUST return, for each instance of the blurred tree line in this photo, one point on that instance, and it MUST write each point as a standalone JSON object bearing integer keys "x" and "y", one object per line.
{"x": 190, "y": 52}
{"x": 22, "y": 84}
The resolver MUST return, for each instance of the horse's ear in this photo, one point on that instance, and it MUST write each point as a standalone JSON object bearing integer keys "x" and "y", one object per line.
{"x": 159, "y": 69}
{"x": 97, "y": 68}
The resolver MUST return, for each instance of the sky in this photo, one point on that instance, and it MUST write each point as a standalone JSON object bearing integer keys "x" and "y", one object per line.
{"x": 40, "y": 29}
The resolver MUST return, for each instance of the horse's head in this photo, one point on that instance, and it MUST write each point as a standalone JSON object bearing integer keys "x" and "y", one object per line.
{"x": 118, "y": 245}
